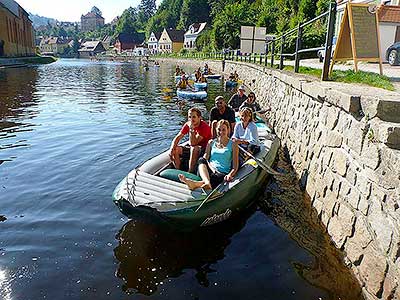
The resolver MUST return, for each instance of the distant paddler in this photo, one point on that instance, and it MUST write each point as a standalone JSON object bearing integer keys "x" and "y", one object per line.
{"x": 177, "y": 70}
{"x": 183, "y": 83}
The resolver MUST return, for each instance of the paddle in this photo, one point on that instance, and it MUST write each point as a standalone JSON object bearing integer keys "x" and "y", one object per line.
{"x": 217, "y": 189}
{"x": 265, "y": 167}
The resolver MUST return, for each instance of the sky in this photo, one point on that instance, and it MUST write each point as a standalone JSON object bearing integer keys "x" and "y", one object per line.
{"x": 71, "y": 10}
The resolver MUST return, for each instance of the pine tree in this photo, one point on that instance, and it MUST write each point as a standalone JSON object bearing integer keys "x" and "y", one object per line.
{"x": 148, "y": 8}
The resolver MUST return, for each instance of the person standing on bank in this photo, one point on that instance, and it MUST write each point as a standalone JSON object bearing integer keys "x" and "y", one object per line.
{"x": 219, "y": 163}
{"x": 221, "y": 111}
{"x": 237, "y": 99}
{"x": 199, "y": 135}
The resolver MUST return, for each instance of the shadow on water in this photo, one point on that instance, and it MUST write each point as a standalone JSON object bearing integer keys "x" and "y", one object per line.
{"x": 151, "y": 255}
{"x": 148, "y": 254}
{"x": 290, "y": 208}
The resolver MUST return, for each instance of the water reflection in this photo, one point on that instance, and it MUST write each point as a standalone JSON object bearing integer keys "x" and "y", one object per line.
{"x": 150, "y": 253}
{"x": 290, "y": 209}
{"x": 17, "y": 88}
{"x": 17, "y": 99}
{"x": 5, "y": 290}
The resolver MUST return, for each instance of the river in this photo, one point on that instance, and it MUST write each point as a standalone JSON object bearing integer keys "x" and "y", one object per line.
{"x": 69, "y": 132}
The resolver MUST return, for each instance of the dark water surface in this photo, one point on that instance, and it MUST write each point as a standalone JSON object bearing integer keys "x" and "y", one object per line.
{"x": 69, "y": 132}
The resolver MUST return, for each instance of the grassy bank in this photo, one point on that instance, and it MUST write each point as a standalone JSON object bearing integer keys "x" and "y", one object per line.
{"x": 349, "y": 76}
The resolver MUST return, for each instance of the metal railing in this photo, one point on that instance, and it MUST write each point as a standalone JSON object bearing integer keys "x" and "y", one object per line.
{"x": 280, "y": 41}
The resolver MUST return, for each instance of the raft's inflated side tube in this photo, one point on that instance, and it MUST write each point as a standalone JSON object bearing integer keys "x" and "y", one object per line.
{"x": 231, "y": 83}
{"x": 191, "y": 95}
{"x": 200, "y": 85}
{"x": 155, "y": 164}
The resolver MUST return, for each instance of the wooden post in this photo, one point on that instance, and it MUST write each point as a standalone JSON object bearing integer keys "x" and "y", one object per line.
{"x": 272, "y": 52}
{"x": 329, "y": 41}
{"x": 281, "y": 54}
{"x": 298, "y": 47}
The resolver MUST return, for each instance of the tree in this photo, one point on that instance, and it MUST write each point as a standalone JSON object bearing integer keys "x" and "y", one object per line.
{"x": 194, "y": 11}
{"x": 148, "y": 8}
{"x": 128, "y": 21}
{"x": 167, "y": 16}
{"x": 268, "y": 15}
{"x": 226, "y": 27}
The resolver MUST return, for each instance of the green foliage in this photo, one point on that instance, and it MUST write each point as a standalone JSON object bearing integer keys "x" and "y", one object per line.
{"x": 194, "y": 11}
{"x": 129, "y": 22}
{"x": 226, "y": 27}
{"x": 147, "y": 8}
{"x": 183, "y": 51}
{"x": 204, "y": 41}
{"x": 167, "y": 16}
{"x": 217, "y": 6}
{"x": 268, "y": 16}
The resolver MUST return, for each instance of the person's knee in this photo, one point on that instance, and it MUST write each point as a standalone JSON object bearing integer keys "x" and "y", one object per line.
{"x": 202, "y": 161}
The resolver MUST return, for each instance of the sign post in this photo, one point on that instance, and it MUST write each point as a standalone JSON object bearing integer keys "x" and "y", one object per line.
{"x": 252, "y": 39}
{"x": 358, "y": 38}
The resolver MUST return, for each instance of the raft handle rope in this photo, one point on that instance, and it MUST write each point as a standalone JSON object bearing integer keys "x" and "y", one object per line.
{"x": 131, "y": 191}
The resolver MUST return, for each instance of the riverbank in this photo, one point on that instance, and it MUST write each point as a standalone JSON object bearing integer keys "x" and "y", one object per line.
{"x": 15, "y": 62}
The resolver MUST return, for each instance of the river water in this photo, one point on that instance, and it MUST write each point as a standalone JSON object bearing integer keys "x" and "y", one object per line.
{"x": 69, "y": 132}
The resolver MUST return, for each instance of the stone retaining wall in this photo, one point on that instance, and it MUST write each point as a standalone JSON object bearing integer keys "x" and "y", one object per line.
{"x": 344, "y": 143}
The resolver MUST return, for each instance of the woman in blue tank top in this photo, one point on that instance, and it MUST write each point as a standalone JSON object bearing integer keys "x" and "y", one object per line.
{"x": 220, "y": 161}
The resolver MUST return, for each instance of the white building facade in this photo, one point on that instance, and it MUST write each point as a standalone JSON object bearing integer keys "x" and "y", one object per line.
{"x": 191, "y": 35}
{"x": 153, "y": 42}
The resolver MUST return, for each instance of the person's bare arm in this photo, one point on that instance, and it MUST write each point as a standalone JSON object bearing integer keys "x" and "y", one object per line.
{"x": 175, "y": 143}
{"x": 235, "y": 159}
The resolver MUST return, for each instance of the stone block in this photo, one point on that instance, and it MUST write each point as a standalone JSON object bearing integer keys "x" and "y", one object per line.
{"x": 354, "y": 198}
{"x": 364, "y": 183}
{"x": 389, "y": 109}
{"x": 387, "y": 133}
{"x": 336, "y": 231}
{"x": 329, "y": 203}
{"x": 334, "y": 139}
{"x": 383, "y": 230}
{"x": 351, "y": 175}
{"x": 391, "y": 286}
{"x": 370, "y": 155}
{"x": 347, "y": 218}
{"x": 362, "y": 236}
{"x": 353, "y": 252}
{"x": 372, "y": 270}
{"x": 295, "y": 81}
{"x": 364, "y": 205}
{"x": 340, "y": 162}
{"x": 332, "y": 117}
{"x": 355, "y": 136}
{"x": 315, "y": 90}
{"x": 318, "y": 205}
{"x": 343, "y": 99}
{"x": 345, "y": 189}
{"x": 369, "y": 105}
